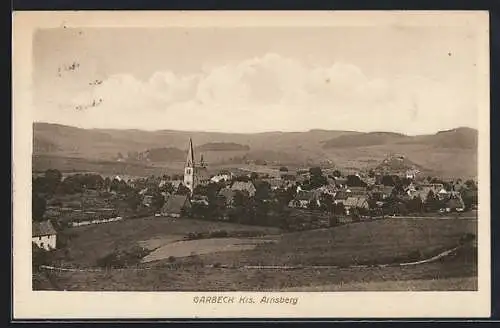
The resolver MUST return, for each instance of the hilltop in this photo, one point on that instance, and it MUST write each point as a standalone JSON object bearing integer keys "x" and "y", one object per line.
{"x": 449, "y": 153}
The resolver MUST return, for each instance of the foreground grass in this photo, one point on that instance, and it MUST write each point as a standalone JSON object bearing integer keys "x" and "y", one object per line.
{"x": 463, "y": 264}
{"x": 85, "y": 245}
{"x": 447, "y": 284}
{"x": 385, "y": 241}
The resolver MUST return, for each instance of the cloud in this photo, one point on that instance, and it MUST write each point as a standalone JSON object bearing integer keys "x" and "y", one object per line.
{"x": 269, "y": 93}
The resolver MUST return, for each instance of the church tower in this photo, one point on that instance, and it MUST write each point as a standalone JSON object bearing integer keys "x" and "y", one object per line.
{"x": 189, "y": 169}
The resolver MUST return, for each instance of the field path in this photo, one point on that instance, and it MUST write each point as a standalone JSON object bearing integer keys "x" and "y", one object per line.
{"x": 266, "y": 267}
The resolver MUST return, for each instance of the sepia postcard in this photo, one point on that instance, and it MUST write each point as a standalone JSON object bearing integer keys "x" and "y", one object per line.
{"x": 251, "y": 165}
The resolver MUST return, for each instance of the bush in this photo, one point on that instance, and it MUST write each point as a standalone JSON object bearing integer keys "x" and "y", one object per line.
{"x": 415, "y": 255}
{"x": 466, "y": 238}
{"x": 120, "y": 259}
{"x": 218, "y": 234}
{"x": 171, "y": 259}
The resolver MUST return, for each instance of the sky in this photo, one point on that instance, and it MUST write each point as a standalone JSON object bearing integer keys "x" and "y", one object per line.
{"x": 412, "y": 80}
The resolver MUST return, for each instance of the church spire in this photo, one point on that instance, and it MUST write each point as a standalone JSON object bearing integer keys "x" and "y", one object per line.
{"x": 190, "y": 155}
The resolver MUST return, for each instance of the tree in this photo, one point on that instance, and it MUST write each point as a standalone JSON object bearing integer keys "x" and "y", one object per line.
{"x": 263, "y": 191}
{"x": 355, "y": 181}
{"x": 327, "y": 203}
{"x": 471, "y": 185}
{"x": 390, "y": 180}
{"x": 39, "y": 205}
{"x": 167, "y": 187}
{"x": 183, "y": 190}
{"x": 337, "y": 174}
{"x": 254, "y": 176}
{"x": 317, "y": 179}
{"x": 431, "y": 201}
{"x": 201, "y": 190}
{"x": 415, "y": 205}
{"x": 157, "y": 201}
{"x": 339, "y": 209}
{"x": 133, "y": 200}
{"x": 54, "y": 175}
{"x": 283, "y": 169}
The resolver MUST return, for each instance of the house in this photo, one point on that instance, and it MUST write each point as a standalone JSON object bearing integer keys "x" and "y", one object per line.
{"x": 411, "y": 174}
{"x": 175, "y": 205}
{"x": 442, "y": 194}
{"x": 340, "y": 197}
{"x": 277, "y": 184}
{"x": 339, "y": 181}
{"x": 176, "y": 184}
{"x": 356, "y": 191}
{"x": 222, "y": 177}
{"x": 44, "y": 235}
{"x": 454, "y": 204}
{"x": 328, "y": 189}
{"x": 228, "y": 195}
{"x": 382, "y": 191}
{"x": 201, "y": 200}
{"x": 355, "y": 202}
{"x": 147, "y": 200}
{"x": 244, "y": 186}
{"x": 303, "y": 199}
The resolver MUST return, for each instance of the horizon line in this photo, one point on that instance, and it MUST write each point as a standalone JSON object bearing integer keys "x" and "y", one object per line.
{"x": 257, "y": 132}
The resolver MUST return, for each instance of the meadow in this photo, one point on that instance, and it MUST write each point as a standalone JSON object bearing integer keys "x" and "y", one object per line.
{"x": 217, "y": 264}
{"x": 457, "y": 272}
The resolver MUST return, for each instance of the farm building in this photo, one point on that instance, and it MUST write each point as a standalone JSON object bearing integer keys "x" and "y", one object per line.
{"x": 175, "y": 206}
{"x": 303, "y": 199}
{"x": 356, "y": 191}
{"x": 247, "y": 187}
{"x": 355, "y": 202}
{"x": 44, "y": 235}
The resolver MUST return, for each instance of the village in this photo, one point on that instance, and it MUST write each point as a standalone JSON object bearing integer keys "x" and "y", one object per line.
{"x": 293, "y": 200}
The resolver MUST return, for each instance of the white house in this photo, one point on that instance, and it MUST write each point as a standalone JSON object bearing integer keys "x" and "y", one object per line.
{"x": 44, "y": 235}
{"x": 221, "y": 177}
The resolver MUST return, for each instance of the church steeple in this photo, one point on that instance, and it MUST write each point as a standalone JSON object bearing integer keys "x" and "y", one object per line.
{"x": 189, "y": 169}
{"x": 190, "y": 155}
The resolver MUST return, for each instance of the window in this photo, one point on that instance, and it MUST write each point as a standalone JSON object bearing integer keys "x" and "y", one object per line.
{"x": 188, "y": 171}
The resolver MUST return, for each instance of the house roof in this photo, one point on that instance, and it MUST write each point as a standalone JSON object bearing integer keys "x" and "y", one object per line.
{"x": 455, "y": 203}
{"x": 43, "y": 228}
{"x": 305, "y": 195}
{"x": 357, "y": 189}
{"x": 341, "y": 195}
{"x": 241, "y": 185}
{"x": 354, "y": 201}
{"x": 175, "y": 204}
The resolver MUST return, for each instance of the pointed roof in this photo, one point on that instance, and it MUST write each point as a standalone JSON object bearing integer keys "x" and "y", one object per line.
{"x": 43, "y": 228}
{"x": 190, "y": 155}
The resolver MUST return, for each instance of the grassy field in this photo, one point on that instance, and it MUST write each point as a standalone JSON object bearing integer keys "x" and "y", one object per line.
{"x": 377, "y": 242}
{"x": 447, "y": 284}
{"x": 87, "y": 244}
{"x": 456, "y": 272}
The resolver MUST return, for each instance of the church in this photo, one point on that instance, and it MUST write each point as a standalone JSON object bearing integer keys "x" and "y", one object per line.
{"x": 194, "y": 173}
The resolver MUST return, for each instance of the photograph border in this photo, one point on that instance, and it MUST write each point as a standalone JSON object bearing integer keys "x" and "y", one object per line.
{"x": 400, "y": 304}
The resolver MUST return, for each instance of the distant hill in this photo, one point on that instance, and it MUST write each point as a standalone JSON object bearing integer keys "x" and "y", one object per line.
{"x": 396, "y": 163}
{"x": 450, "y": 153}
{"x": 364, "y": 139}
{"x": 460, "y": 138}
{"x": 164, "y": 154}
{"x": 456, "y": 138}
{"x": 223, "y": 146}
